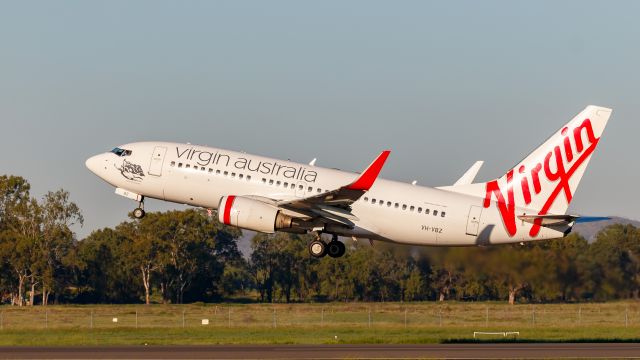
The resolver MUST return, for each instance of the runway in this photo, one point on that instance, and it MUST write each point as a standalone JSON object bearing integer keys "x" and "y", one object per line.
{"x": 444, "y": 351}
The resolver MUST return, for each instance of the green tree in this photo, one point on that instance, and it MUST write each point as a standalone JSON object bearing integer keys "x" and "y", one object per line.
{"x": 615, "y": 262}
{"x": 57, "y": 242}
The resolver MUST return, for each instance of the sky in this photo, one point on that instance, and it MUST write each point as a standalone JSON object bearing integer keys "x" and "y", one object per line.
{"x": 442, "y": 84}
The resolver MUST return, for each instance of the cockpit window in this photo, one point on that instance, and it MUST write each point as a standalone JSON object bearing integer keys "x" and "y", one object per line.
{"x": 121, "y": 152}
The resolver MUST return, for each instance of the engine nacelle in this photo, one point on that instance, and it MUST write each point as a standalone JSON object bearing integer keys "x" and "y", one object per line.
{"x": 252, "y": 214}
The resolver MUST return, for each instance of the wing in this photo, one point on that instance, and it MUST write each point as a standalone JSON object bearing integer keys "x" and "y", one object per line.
{"x": 335, "y": 205}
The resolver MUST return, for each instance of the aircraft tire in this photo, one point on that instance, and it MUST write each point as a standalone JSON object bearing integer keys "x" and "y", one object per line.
{"x": 138, "y": 213}
{"x": 317, "y": 249}
{"x": 336, "y": 249}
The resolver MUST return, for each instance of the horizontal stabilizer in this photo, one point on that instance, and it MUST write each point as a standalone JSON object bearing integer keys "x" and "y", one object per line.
{"x": 588, "y": 219}
{"x": 549, "y": 220}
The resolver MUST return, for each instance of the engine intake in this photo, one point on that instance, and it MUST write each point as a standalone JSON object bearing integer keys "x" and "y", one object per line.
{"x": 252, "y": 214}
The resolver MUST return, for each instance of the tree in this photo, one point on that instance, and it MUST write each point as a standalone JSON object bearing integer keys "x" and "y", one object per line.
{"x": 105, "y": 272}
{"x": 143, "y": 250}
{"x": 615, "y": 262}
{"x": 57, "y": 242}
{"x": 263, "y": 266}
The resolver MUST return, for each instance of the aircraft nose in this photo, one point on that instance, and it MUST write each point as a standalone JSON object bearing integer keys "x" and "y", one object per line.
{"x": 95, "y": 163}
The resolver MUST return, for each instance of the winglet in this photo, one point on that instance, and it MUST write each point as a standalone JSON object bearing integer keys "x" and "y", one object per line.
{"x": 369, "y": 176}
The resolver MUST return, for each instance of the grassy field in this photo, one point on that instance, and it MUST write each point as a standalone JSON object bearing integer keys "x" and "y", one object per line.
{"x": 315, "y": 323}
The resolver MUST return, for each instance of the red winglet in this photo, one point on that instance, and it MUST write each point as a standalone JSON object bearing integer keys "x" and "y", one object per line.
{"x": 369, "y": 176}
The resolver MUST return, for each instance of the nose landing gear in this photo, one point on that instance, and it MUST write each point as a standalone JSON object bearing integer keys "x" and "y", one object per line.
{"x": 139, "y": 212}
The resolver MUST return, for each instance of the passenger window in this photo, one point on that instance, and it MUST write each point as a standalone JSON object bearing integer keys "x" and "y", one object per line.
{"x": 286, "y": 185}
{"x": 278, "y": 183}
{"x": 179, "y": 165}
{"x": 188, "y": 166}
{"x": 373, "y": 201}
{"x": 210, "y": 170}
{"x": 426, "y": 211}
{"x": 264, "y": 181}
{"x": 435, "y": 212}
{"x": 173, "y": 163}
{"x": 248, "y": 177}
{"x": 217, "y": 172}
{"x": 319, "y": 190}
{"x": 300, "y": 187}
{"x": 310, "y": 189}
{"x": 396, "y": 205}
{"x": 388, "y": 203}
{"x": 293, "y": 186}
{"x": 381, "y": 202}
{"x": 226, "y": 173}
{"x": 203, "y": 168}
{"x": 233, "y": 175}
{"x": 411, "y": 208}
{"x": 404, "y": 206}
{"x": 366, "y": 198}
{"x": 419, "y": 210}
{"x": 240, "y": 176}
{"x": 270, "y": 182}
{"x": 442, "y": 214}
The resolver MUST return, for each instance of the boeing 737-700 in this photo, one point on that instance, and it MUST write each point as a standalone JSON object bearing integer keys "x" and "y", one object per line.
{"x": 529, "y": 202}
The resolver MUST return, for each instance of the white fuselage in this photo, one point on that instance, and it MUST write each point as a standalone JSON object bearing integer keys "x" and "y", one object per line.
{"x": 391, "y": 210}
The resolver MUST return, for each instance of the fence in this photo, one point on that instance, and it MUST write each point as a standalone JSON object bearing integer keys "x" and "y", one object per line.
{"x": 366, "y": 315}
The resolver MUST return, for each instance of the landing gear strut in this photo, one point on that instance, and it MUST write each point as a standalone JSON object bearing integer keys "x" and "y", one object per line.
{"x": 139, "y": 212}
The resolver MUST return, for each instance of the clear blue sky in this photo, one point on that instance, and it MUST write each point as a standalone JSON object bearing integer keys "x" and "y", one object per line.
{"x": 442, "y": 84}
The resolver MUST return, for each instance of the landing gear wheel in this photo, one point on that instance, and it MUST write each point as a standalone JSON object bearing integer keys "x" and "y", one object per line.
{"x": 336, "y": 249}
{"x": 138, "y": 213}
{"x": 317, "y": 249}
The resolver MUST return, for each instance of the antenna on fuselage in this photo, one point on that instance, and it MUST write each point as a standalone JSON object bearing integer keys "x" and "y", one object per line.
{"x": 414, "y": 182}
{"x": 313, "y": 162}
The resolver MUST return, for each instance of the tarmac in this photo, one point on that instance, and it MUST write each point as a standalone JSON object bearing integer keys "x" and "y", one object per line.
{"x": 439, "y": 351}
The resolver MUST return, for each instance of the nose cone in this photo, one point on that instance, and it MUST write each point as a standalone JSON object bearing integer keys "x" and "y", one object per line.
{"x": 95, "y": 163}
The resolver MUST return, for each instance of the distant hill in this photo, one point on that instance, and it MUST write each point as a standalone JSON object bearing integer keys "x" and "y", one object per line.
{"x": 591, "y": 229}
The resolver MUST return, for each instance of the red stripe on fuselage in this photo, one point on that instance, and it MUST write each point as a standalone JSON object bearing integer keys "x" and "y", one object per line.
{"x": 227, "y": 209}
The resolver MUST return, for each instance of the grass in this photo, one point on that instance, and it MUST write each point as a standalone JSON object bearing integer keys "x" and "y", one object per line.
{"x": 426, "y": 322}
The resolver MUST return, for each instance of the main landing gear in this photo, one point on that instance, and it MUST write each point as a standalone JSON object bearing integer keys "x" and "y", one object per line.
{"x": 334, "y": 248}
{"x": 138, "y": 212}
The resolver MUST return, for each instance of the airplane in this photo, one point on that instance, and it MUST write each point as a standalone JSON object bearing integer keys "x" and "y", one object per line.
{"x": 528, "y": 203}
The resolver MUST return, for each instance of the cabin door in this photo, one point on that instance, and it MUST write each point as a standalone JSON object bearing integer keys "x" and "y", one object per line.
{"x": 157, "y": 159}
{"x": 473, "y": 222}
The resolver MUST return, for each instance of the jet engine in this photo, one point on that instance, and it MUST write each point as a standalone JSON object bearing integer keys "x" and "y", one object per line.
{"x": 252, "y": 214}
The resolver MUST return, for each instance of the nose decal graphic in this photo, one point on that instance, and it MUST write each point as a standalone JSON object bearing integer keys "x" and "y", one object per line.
{"x": 130, "y": 171}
